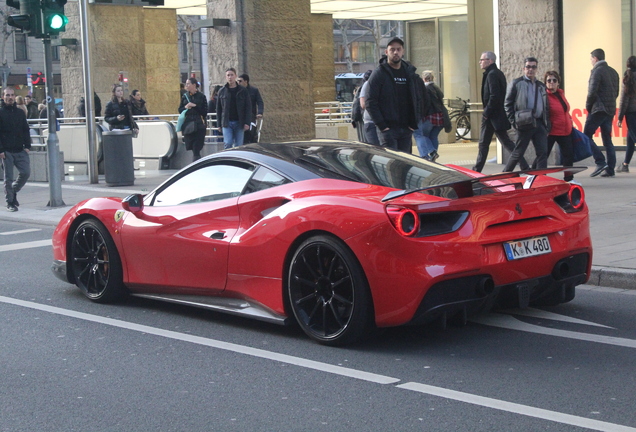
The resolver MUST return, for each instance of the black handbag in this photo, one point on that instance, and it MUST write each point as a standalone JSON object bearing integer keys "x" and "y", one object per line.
{"x": 525, "y": 119}
{"x": 190, "y": 128}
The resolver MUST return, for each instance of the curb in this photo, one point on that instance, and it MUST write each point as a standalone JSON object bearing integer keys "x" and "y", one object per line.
{"x": 614, "y": 277}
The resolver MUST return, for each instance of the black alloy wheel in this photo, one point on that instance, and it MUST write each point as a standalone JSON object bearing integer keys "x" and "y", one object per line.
{"x": 95, "y": 263}
{"x": 328, "y": 292}
{"x": 463, "y": 126}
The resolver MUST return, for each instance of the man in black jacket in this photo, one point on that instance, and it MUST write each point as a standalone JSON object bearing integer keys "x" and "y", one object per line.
{"x": 251, "y": 135}
{"x": 602, "y": 92}
{"x": 233, "y": 110}
{"x": 15, "y": 143}
{"x": 394, "y": 102}
{"x": 494, "y": 120}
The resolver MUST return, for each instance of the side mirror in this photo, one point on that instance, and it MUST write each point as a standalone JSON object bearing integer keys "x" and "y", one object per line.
{"x": 133, "y": 203}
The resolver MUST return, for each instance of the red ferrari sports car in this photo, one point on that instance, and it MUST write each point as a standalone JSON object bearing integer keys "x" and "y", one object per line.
{"x": 340, "y": 237}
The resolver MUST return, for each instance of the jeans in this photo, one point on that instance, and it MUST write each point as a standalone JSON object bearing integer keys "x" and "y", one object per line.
{"x": 233, "y": 135}
{"x": 22, "y": 162}
{"x": 426, "y": 137}
{"x": 539, "y": 137}
{"x": 604, "y": 121}
{"x": 397, "y": 138}
{"x": 371, "y": 134}
{"x": 485, "y": 138}
{"x": 630, "y": 119}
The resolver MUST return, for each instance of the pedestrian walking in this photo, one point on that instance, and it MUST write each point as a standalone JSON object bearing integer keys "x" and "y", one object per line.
{"x": 493, "y": 119}
{"x": 251, "y": 135}
{"x": 118, "y": 112}
{"x": 560, "y": 121}
{"x": 233, "y": 110}
{"x": 15, "y": 144}
{"x": 432, "y": 122}
{"x": 32, "y": 108}
{"x": 393, "y": 102}
{"x": 627, "y": 111}
{"x": 370, "y": 131}
{"x": 137, "y": 104}
{"x": 194, "y": 125}
{"x": 603, "y": 88}
{"x": 527, "y": 109}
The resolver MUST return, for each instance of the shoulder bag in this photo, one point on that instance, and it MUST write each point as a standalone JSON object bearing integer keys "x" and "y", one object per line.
{"x": 524, "y": 119}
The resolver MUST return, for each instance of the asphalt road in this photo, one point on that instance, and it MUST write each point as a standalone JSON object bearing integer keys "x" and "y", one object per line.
{"x": 67, "y": 364}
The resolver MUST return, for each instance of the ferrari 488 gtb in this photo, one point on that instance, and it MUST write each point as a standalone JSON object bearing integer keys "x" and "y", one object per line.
{"x": 340, "y": 237}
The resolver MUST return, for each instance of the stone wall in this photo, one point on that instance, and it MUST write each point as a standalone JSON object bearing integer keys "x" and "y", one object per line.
{"x": 118, "y": 36}
{"x": 528, "y": 28}
{"x": 322, "y": 57}
{"x": 271, "y": 41}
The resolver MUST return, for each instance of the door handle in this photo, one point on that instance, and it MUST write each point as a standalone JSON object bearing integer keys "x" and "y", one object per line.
{"x": 218, "y": 235}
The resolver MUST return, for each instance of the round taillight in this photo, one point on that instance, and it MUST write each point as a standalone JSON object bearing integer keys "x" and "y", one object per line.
{"x": 576, "y": 197}
{"x": 408, "y": 223}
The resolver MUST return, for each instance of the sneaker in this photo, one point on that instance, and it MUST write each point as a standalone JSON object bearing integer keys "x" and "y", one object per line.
{"x": 433, "y": 156}
{"x": 15, "y": 201}
{"x": 622, "y": 168}
{"x": 599, "y": 169}
{"x": 606, "y": 174}
{"x": 12, "y": 208}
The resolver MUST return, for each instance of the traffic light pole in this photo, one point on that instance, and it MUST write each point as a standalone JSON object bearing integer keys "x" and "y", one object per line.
{"x": 52, "y": 143}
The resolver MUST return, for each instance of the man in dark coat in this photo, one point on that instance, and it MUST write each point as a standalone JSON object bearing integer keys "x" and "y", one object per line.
{"x": 494, "y": 120}
{"x": 602, "y": 92}
{"x": 32, "y": 107}
{"x": 251, "y": 135}
{"x": 394, "y": 101}
{"x": 15, "y": 144}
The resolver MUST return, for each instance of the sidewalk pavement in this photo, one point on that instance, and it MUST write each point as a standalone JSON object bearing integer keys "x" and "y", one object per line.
{"x": 612, "y": 204}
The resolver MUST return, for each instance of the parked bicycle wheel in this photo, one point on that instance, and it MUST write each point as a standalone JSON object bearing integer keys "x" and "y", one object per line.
{"x": 463, "y": 126}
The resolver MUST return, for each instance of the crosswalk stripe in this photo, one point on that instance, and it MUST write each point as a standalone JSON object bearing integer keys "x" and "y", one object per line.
{"x": 24, "y": 231}
{"x": 26, "y": 245}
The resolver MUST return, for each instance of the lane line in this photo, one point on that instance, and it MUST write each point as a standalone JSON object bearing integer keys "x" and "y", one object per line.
{"x": 538, "y": 313}
{"x": 337, "y": 370}
{"x": 24, "y": 231}
{"x": 515, "y": 408}
{"x": 510, "y": 323}
{"x": 26, "y": 245}
{"x": 227, "y": 346}
{"x": 104, "y": 191}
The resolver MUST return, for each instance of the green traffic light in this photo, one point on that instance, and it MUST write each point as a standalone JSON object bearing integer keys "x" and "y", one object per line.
{"x": 57, "y": 21}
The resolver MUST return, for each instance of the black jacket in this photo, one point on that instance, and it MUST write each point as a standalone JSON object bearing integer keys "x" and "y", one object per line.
{"x": 382, "y": 103}
{"x": 243, "y": 106}
{"x": 257, "y": 101}
{"x": 493, "y": 94}
{"x": 517, "y": 100}
{"x": 32, "y": 110}
{"x": 113, "y": 109}
{"x": 197, "y": 114}
{"x": 14, "y": 130}
{"x": 138, "y": 107}
{"x": 603, "y": 89}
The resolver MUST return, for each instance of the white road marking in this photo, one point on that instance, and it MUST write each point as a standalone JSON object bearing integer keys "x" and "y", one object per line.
{"x": 538, "y": 313}
{"x": 337, "y": 370}
{"x": 515, "y": 408}
{"x": 255, "y": 352}
{"x": 510, "y": 323}
{"x": 27, "y": 245}
{"x": 24, "y": 231}
{"x": 103, "y": 191}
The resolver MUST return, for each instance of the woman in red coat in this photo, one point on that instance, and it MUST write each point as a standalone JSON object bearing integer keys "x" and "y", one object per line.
{"x": 560, "y": 120}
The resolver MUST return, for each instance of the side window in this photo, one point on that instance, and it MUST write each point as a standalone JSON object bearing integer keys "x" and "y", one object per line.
{"x": 264, "y": 178}
{"x": 209, "y": 183}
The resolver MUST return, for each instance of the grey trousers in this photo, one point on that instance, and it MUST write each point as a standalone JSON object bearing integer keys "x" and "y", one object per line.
{"x": 22, "y": 162}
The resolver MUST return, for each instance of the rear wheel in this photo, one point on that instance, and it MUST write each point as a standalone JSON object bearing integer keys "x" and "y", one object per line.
{"x": 96, "y": 264}
{"x": 463, "y": 126}
{"x": 328, "y": 292}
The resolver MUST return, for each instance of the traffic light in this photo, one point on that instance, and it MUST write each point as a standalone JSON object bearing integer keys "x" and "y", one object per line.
{"x": 29, "y": 20}
{"x": 54, "y": 20}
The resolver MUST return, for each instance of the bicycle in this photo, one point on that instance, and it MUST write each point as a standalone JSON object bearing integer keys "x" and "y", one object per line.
{"x": 459, "y": 113}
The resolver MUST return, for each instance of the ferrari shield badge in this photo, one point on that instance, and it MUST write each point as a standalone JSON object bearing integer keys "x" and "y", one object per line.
{"x": 118, "y": 215}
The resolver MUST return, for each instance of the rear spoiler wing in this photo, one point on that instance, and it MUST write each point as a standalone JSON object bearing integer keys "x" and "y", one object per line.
{"x": 464, "y": 188}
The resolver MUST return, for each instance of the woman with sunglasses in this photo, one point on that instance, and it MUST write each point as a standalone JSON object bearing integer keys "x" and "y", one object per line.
{"x": 627, "y": 110}
{"x": 560, "y": 119}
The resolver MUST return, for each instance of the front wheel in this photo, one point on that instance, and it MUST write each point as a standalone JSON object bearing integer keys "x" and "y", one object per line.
{"x": 463, "y": 126}
{"x": 95, "y": 263}
{"x": 328, "y": 292}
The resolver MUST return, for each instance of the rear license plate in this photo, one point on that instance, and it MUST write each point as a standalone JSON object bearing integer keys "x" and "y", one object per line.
{"x": 527, "y": 248}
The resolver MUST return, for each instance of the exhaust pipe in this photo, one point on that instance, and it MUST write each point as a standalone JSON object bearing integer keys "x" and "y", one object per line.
{"x": 485, "y": 286}
{"x": 561, "y": 270}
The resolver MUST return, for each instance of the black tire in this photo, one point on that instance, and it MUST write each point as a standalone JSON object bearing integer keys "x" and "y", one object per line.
{"x": 329, "y": 293}
{"x": 463, "y": 126}
{"x": 96, "y": 264}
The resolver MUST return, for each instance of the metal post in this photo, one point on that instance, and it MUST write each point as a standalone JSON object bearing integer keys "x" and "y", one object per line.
{"x": 93, "y": 174}
{"x": 52, "y": 147}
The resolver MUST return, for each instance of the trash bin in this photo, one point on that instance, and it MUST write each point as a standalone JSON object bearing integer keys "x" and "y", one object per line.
{"x": 119, "y": 167}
